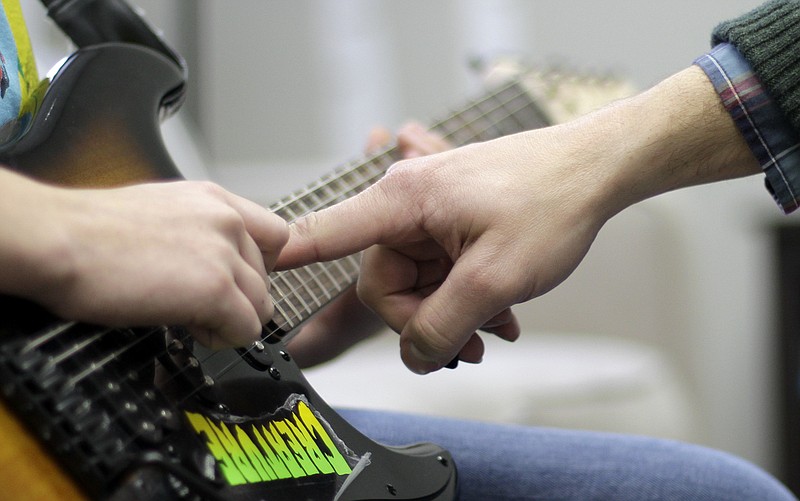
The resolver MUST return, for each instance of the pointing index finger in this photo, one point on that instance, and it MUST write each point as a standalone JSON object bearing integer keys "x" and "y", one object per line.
{"x": 343, "y": 229}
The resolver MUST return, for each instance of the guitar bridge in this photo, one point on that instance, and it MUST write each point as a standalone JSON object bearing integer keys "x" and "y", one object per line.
{"x": 88, "y": 393}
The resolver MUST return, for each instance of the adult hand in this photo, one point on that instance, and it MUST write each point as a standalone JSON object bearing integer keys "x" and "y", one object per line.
{"x": 461, "y": 240}
{"x": 184, "y": 253}
{"x": 465, "y": 234}
{"x": 347, "y": 321}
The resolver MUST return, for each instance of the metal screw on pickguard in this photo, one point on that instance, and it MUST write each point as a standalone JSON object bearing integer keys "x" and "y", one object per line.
{"x": 442, "y": 460}
{"x": 275, "y": 373}
{"x": 392, "y": 490}
{"x": 175, "y": 346}
{"x": 285, "y": 355}
{"x": 259, "y": 346}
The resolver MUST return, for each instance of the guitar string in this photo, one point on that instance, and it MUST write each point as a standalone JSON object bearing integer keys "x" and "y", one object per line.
{"x": 99, "y": 364}
{"x": 368, "y": 181}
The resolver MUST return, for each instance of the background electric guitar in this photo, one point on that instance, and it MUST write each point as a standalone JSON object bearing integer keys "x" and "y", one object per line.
{"x": 88, "y": 412}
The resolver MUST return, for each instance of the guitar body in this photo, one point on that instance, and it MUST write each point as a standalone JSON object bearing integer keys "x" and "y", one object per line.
{"x": 98, "y": 125}
{"x": 88, "y": 412}
{"x": 27, "y": 471}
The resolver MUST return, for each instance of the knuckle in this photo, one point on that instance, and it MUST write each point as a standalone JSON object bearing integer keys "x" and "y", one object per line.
{"x": 479, "y": 281}
{"x": 218, "y": 285}
{"x": 402, "y": 175}
{"x": 217, "y": 210}
{"x": 269, "y": 309}
{"x": 221, "y": 253}
{"x": 304, "y": 226}
{"x": 435, "y": 344}
{"x": 210, "y": 188}
{"x": 304, "y": 230}
{"x": 492, "y": 278}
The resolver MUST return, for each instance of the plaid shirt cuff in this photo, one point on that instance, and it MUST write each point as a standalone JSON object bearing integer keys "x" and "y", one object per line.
{"x": 771, "y": 138}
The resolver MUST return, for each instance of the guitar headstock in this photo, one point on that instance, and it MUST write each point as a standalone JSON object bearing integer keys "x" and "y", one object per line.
{"x": 561, "y": 95}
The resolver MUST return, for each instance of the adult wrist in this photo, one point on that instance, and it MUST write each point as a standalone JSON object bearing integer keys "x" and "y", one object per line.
{"x": 769, "y": 135}
{"x": 33, "y": 245}
{"x": 676, "y": 134}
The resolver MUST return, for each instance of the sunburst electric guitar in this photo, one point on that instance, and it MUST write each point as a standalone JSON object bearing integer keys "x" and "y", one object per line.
{"x": 88, "y": 412}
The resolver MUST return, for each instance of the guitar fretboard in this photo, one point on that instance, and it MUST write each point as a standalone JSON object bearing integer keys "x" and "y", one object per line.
{"x": 301, "y": 292}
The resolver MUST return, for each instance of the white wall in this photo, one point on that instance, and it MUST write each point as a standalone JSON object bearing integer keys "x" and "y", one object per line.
{"x": 284, "y": 91}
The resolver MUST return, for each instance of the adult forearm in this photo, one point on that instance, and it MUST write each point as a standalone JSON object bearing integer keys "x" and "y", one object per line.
{"x": 675, "y": 135}
{"x": 30, "y": 245}
{"x": 186, "y": 253}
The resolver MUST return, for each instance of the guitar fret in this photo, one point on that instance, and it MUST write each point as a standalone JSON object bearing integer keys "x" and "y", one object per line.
{"x": 457, "y": 130}
{"x": 332, "y": 282}
{"x": 287, "y": 300}
{"x": 512, "y": 113}
{"x": 385, "y": 160}
{"x": 325, "y": 193}
{"x": 333, "y": 188}
{"x": 323, "y": 282}
{"x": 380, "y": 165}
{"x": 348, "y": 178}
{"x": 288, "y": 213}
{"x": 354, "y": 265}
{"x": 302, "y": 206}
{"x": 301, "y": 290}
{"x": 497, "y": 116}
{"x": 486, "y": 117}
{"x": 279, "y": 311}
{"x": 473, "y": 117}
{"x": 529, "y": 120}
{"x": 312, "y": 284}
{"x": 365, "y": 173}
{"x": 534, "y": 117}
{"x": 339, "y": 267}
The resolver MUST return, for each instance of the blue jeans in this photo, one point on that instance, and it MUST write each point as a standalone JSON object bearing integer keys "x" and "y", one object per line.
{"x": 503, "y": 462}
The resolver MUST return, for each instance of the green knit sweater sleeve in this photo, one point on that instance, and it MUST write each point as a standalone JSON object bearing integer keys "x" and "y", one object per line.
{"x": 769, "y": 38}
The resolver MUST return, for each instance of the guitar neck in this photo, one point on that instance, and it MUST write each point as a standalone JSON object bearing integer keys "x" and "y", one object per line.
{"x": 300, "y": 293}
